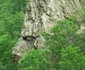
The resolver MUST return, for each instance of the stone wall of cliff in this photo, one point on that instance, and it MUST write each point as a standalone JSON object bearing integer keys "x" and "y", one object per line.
{"x": 41, "y": 15}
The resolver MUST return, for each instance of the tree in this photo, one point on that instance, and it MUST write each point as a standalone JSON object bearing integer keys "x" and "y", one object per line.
{"x": 34, "y": 60}
{"x": 63, "y": 42}
{"x": 11, "y": 20}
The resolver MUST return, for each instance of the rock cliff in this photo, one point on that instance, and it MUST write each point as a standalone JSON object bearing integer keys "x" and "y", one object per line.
{"x": 41, "y": 15}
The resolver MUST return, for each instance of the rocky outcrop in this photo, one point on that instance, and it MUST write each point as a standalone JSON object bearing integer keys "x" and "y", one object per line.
{"x": 41, "y": 15}
{"x": 81, "y": 30}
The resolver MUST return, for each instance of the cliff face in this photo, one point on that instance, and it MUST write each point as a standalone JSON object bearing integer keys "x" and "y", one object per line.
{"x": 41, "y": 15}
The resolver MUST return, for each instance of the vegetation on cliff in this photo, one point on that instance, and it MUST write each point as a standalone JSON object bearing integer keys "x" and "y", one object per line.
{"x": 65, "y": 49}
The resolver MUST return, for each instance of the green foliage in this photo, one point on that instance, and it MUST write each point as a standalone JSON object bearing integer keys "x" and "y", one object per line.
{"x": 82, "y": 1}
{"x": 65, "y": 35}
{"x": 9, "y": 30}
{"x": 11, "y": 20}
{"x": 34, "y": 60}
{"x": 72, "y": 59}
{"x": 65, "y": 48}
{"x": 19, "y": 5}
{"x": 2, "y": 67}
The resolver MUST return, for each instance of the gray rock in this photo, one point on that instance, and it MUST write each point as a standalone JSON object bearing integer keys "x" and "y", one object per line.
{"x": 81, "y": 30}
{"x": 40, "y": 16}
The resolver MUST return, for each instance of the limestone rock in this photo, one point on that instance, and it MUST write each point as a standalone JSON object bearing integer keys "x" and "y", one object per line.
{"x": 41, "y": 15}
{"x": 81, "y": 30}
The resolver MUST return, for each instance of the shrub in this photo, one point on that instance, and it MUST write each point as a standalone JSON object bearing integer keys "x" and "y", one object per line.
{"x": 2, "y": 67}
{"x": 64, "y": 35}
{"x": 72, "y": 59}
{"x": 34, "y": 60}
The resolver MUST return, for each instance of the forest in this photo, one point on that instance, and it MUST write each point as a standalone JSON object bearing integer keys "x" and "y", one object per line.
{"x": 65, "y": 49}
{"x": 11, "y": 20}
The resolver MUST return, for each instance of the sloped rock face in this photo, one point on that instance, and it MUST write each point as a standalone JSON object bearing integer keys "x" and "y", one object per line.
{"x": 41, "y": 15}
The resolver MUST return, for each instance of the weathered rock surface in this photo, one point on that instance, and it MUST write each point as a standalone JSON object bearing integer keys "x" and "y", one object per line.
{"x": 81, "y": 30}
{"x": 41, "y": 15}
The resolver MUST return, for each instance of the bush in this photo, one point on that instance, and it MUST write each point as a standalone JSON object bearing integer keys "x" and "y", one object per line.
{"x": 65, "y": 35}
{"x": 34, "y": 60}
{"x": 2, "y": 67}
{"x": 72, "y": 59}
{"x": 11, "y": 20}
